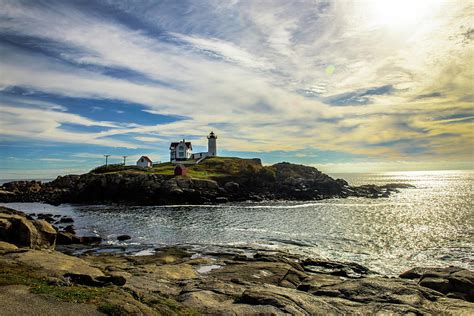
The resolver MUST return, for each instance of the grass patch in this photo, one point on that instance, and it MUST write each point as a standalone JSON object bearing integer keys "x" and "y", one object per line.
{"x": 19, "y": 275}
{"x": 113, "y": 168}
{"x": 168, "y": 306}
{"x": 9, "y": 279}
{"x": 111, "y": 309}
{"x": 13, "y": 275}
{"x": 165, "y": 168}
{"x": 74, "y": 294}
{"x": 209, "y": 168}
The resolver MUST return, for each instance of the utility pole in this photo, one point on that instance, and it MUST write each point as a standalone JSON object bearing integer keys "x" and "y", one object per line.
{"x": 124, "y": 159}
{"x": 106, "y": 159}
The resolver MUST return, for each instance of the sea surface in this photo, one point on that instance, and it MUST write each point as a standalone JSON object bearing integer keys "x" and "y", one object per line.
{"x": 430, "y": 225}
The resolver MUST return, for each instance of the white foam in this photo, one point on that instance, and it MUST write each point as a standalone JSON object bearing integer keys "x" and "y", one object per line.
{"x": 208, "y": 268}
{"x": 145, "y": 252}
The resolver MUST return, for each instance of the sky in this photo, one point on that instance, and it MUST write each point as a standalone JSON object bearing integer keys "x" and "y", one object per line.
{"x": 345, "y": 86}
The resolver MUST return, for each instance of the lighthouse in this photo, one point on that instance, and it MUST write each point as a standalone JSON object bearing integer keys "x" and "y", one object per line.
{"x": 212, "y": 144}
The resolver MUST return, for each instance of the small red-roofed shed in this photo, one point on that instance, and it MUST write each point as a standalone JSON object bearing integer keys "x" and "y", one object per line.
{"x": 180, "y": 170}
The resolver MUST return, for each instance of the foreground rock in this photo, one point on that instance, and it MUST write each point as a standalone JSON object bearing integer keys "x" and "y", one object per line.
{"x": 23, "y": 230}
{"x": 452, "y": 281}
{"x": 13, "y": 298}
{"x": 17, "y": 229}
{"x": 236, "y": 282}
{"x": 276, "y": 286}
{"x": 252, "y": 181}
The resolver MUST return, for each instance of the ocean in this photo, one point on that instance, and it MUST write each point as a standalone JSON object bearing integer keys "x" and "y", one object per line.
{"x": 430, "y": 225}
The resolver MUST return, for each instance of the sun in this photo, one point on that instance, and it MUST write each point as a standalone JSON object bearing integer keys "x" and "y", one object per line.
{"x": 400, "y": 13}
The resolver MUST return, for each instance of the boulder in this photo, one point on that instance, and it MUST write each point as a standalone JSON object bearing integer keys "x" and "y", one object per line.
{"x": 463, "y": 282}
{"x": 123, "y": 237}
{"x": 260, "y": 272}
{"x": 6, "y": 196}
{"x": 183, "y": 182}
{"x": 419, "y": 272}
{"x": 118, "y": 280}
{"x": 378, "y": 289}
{"x": 87, "y": 240}
{"x": 5, "y": 227}
{"x": 179, "y": 271}
{"x": 67, "y": 238}
{"x": 20, "y": 231}
{"x": 437, "y": 284}
{"x": 5, "y": 246}
{"x": 46, "y": 231}
{"x": 288, "y": 301}
{"x": 55, "y": 263}
{"x": 315, "y": 282}
{"x": 205, "y": 184}
{"x": 65, "y": 220}
{"x": 350, "y": 269}
{"x": 221, "y": 199}
{"x": 86, "y": 279}
{"x": 70, "y": 229}
{"x": 453, "y": 281}
{"x": 211, "y": 303}
{"x": 231, "y": 186}
{"x": 169, "y": 185}
{"x": 23, "y": 186}
{"x": 342, "y": 182}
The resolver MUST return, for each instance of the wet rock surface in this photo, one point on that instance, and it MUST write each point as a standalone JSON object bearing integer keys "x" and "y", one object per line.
{"x": 34, "y": 231}
{"x": 451, "y": 281}
{"x": 18, "y": 229}
{"x": 183, "y": 281}
{"x": 273, "y": 283}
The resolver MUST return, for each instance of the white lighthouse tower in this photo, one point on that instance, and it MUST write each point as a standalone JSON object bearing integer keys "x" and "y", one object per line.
{"x": 212, "y": 144}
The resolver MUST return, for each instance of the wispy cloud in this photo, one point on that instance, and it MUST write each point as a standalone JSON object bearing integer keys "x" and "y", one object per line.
{"x": 285, "y": 75}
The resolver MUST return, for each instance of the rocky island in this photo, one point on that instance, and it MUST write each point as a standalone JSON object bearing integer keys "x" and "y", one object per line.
{"x": 214, "y": 180}
{"x": 181, "y": 281}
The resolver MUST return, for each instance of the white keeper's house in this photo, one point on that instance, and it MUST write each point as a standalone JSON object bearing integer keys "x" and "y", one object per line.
{"x": 183, "y": 150}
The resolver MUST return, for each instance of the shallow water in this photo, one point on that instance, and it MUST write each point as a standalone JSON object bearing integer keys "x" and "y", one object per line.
{"x": 431, "y": 225}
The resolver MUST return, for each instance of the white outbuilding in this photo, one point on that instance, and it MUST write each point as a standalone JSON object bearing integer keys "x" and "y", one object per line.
{"x": 144, "y": 162}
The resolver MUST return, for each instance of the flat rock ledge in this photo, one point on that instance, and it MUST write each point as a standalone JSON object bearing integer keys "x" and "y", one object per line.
{"x": 180, "y": 281}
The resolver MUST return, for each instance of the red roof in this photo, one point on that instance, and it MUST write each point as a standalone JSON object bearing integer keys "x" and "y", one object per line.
{"x": 146, "y": 158}
{"x": 174, "y": 144}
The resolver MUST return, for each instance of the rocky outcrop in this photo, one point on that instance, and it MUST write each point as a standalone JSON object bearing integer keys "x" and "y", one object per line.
{"x": 451, "y": 281}
{"x": 234, "y": 281}
{"x": 17, "y": 229}
{"x": 23, "y": 230}
{"x": 270, "y": 283}
{"x": 54, "y": 263}
{"x": 282, "y": 181}
{"x": 123, "y": 237}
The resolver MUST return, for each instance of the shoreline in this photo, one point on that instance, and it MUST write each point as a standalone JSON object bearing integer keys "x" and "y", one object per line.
{"x": 274, "y": 239}
{"x": 177, "y": 280}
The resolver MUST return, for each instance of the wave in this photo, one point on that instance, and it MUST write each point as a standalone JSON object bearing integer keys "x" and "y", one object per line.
{"x": 292, "y": 242}
{"x": 306, "y": 205}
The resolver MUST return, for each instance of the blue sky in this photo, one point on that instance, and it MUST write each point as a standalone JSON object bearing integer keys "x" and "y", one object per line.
{"x": 346, "y": 86}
